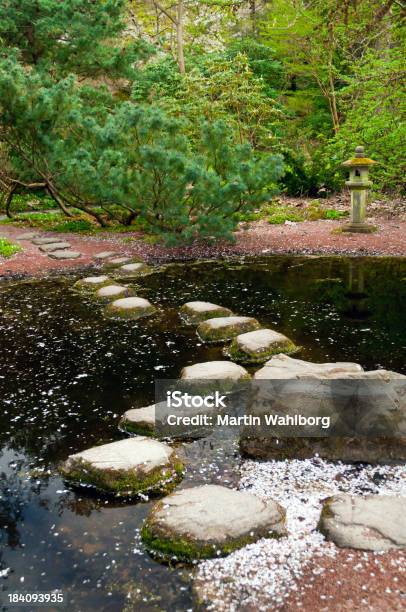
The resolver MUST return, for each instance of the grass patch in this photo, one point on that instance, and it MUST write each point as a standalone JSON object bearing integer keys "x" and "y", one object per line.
{"x": 7, "y": 248}
{"x": 24, "y": 202}
{"x": 277, "y": 213}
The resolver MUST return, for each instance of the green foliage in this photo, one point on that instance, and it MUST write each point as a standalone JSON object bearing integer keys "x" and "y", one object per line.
{"x": 7, "y": 248}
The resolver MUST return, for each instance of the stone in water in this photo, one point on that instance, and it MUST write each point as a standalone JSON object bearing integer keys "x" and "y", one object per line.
{"x": 110, "y": 292}
{"x": 193, "y": 313}
{"x": 259, "y": 345}
{"x": 214, "y": 370}
{"x": 225, "y": 328}
{"x": 125, "y": 468}
{"x": 208, "y": 521}
{"x": 130, "y": 308}
{"x": 91, "y": 283}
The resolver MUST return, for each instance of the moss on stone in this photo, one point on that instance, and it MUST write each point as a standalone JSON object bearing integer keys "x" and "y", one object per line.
{"x": 236, "y": 354}
{"x": 166, "y": 548}
{"x": 208, "y": 334}
{"x": 82, "y": 287}
{"x": 141, "y": 429}
{"x": 190, "y": 317}
{"x": 125, "y": 483}
{"x": 130, "y": 313}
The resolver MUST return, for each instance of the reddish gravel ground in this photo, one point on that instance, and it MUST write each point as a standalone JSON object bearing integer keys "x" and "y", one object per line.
{"x": 308, "y": 238}
{"x": 352, "y": 580}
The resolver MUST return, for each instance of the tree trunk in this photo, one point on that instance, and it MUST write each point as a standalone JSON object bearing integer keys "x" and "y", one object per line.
{"x": 9, "y": 199}
{"x": 179, "y": 38}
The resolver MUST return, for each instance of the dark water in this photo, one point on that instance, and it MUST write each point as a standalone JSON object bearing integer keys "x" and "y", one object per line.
{"x": 66, "y": 374}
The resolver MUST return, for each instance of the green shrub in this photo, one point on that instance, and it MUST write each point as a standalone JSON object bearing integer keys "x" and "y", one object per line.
{"x": 7, "y": 248}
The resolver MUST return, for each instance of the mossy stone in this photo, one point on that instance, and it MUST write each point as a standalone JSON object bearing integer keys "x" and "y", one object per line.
{"x": 193, "y": 313}
{"x": 92, "y": 283}
{"x": 129, "y": 308}
{"x": 127, "y": 468}
{"x": 221, "y": 329}
{"x": 209, "y": 521}
{"x": 258, "y": 346}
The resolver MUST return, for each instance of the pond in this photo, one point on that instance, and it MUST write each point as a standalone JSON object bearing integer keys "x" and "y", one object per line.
{"x": 67, "y": 374}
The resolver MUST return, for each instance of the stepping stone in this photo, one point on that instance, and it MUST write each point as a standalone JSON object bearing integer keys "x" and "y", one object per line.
{"x": 367, "y": 421}
{"x": 112, "y": 292}
{"x": 126, "y": 468}
{"x": 134, "y": 269}
{"x": 193, "y": 313}
{"x": 209, "y": 521}
{"x": 91, "y": 283}
{"x": 45, "y": 240}
{"x": 214, "y": 370}
{"x": 130, "y": 308}
{"x": 282, "y": 366}
{"x": 152, "y": 421}
{"x": 225, "y": 328}
{"x": 259, "y": 345}
{"x": 105, "y": 255}
{"x": 56, "y": 246}
{"x": 139, "y": 420}
{"x": 118, "y": 261}
{"x": 374, "y": 522}
{"x": 27, "y": 236}
{"x": 65, "y": 255}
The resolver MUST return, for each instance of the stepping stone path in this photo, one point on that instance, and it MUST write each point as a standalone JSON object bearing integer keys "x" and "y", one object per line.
{"x": 225, "y": 328}
{"x": 208, "y": 521}
{"x": 214, "y": 370}
{"x": 55, "y": 249}
{"x": 130, "y": 308}
{"x": 112, "y": 292}
{"x": 259, "y": 345}
{"x": 91, "y": 283}
{"x": 105, "y": 255}
{"x": 56, "y": 246}
{"x": 374, "y": 522}
{"x": 193, "y": 313}
{"x": 130, "y": 467}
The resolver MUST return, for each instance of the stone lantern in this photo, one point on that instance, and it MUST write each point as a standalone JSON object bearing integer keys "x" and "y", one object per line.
{"x": 359, "y": 184}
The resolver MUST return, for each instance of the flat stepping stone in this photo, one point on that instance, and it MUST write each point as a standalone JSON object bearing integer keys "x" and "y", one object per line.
{"x": 56, "y": 246}
{"x": 283, "y": 366}
{"x": 48, "y": 240}
{"x": 139, "y": 420}
{"x": 221, "y": 329}
{"x": 193, "y": 313}
{"x": 133, "y": 269}
{"x": 118, "y": 261}
{"x": 112, "y": 292}
{"x": 152, "y": 421}
{"x": 214, "y": 370}
{"x": 259, "y": 345}
{"x": 130, "y": 308}
{"x": 208, "y": 521}
{"x": 125, "y": 468}
{"x": 374, "y": 522}
{"x": 65, "y": 254}
{"x": 105, "y": 255}
{"x": 27, "y": 236}
{"x": 91, "y": 283}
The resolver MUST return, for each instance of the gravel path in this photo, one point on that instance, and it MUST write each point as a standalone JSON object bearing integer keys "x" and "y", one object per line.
{"x": 311, "y": 237}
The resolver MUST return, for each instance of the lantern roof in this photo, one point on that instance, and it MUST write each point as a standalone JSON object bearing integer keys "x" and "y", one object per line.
{"x": 359, "y": 159}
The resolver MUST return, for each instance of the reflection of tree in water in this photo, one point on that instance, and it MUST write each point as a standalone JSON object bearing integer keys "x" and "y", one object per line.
{"x": 13, "y": 497}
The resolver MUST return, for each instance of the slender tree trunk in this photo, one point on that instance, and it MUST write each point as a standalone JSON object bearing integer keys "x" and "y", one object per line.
{"x": 179, "y": 38}
{"x": 9, "y": 199}
{"x": 54, "y": 195}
